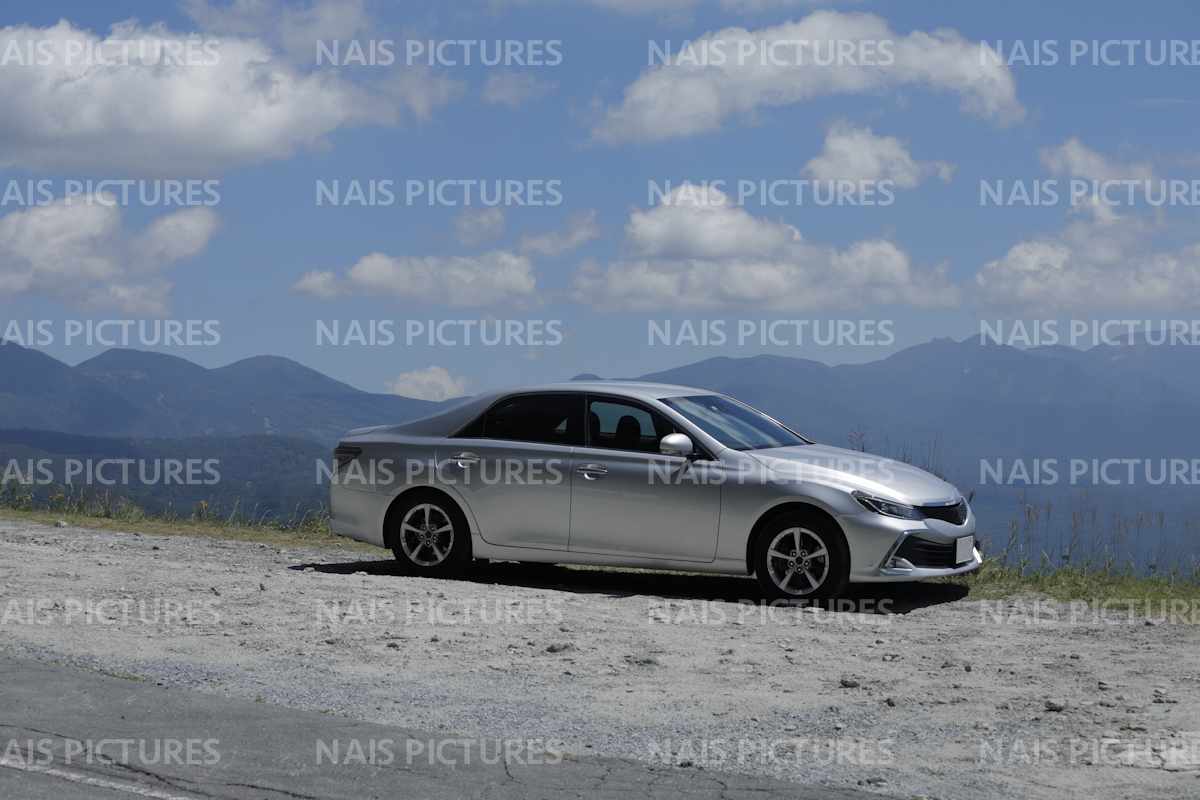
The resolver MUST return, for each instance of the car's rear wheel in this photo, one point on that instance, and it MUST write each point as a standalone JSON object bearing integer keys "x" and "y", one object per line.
{"x": 430, "y": 535}
{"x": 801, "y": 556}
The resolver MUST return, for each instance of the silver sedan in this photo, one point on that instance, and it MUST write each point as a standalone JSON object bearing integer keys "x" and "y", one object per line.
{"x": 627, "y": 474}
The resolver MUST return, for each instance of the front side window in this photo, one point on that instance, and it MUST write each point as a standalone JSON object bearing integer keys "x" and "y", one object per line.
{"x": 622, "y": 425}
{"x": 544, "y": 418}
{"x": 734, "y": 425}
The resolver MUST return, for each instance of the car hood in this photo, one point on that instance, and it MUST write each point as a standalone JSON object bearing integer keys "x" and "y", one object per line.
{"x": 876, "y": 475}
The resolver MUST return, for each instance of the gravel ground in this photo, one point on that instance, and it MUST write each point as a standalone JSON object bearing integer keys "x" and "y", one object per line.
{"x": 940, "y": 697}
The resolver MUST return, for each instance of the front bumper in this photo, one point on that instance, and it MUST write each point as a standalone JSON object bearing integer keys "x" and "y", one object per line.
{"x": 875, "y": 539}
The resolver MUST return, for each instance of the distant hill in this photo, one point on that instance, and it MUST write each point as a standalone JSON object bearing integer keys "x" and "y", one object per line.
{"x": 267, "y": 475}
{"x": 144, "y": 394}
{"x": 980, "y": 401}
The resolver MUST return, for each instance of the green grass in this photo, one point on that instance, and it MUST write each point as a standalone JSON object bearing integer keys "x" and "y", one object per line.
{"x": 994, "y": 580}
{"x": 316, "y": 534}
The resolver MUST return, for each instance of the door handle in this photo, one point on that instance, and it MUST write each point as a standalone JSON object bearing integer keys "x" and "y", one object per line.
{"x": 592, "y": 472}
{"x": 464, "y": 459}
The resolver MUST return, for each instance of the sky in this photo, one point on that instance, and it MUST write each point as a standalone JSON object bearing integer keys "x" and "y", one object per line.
{"x": 608, "y": 247}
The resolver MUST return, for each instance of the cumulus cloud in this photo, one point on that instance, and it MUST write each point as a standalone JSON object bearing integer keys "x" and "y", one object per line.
{"x": 677, "y": 6}
{"x": 238, "y": 102}
{"x": 80, "y": 254}
{"x": 514, "y": 88}
{"x": 497, "y": 276}
{"x": 702, "y": 256}
{"x": 474, "y": 225}
{"x": 1074, "y": 159}
{"x": 686, "y": 97}
{"x": 579, "y": 229}
{"x": 432, "y": 383}
{"x": 857, "y": 154}
{"x": 294, "y": 28}
{"x": 1100, "y": 260}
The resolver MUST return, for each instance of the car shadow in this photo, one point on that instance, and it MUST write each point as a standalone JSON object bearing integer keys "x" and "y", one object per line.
{"x": 866, "y": 598}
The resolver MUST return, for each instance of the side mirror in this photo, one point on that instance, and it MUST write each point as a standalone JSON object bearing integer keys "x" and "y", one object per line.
{"x": 676, "y": 444}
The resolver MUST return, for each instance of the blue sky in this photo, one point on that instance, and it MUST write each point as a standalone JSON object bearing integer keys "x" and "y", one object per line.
{"x": 267, "y": 123}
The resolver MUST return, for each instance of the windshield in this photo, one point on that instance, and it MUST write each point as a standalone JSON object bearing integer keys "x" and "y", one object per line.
{"x": 732, "y": 424}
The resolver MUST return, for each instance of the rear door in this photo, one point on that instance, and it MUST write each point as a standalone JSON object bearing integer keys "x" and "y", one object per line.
{"x": 512, "y": 467}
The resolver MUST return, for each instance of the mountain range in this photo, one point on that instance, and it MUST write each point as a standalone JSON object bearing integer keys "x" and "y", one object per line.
{"x": 949, "y": 405}
{"x": 141, "y": 394}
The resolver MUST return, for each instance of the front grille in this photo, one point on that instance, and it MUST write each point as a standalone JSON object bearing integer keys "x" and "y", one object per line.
{"x": 924, "y": 553}
{"x": 955, "y": 514}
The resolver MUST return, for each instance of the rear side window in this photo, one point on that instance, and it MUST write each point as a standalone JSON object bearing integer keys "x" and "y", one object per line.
{"x": 544, "y": 418}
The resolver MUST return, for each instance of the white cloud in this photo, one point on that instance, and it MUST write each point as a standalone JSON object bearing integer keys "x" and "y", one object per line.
{"x": 514, "y": 88}
{"x": 474, "y": 226}
{"x": 81, "y": 255}
{"x": 668, "y": 7}
{"x": 1075, "y": 160}
{"x": 707, "y": 256}
{"x": 432, "y": 383}
{"x": 294, "y": 28}
{"x": 1100, "y": 260}
{"x": 497, "y": 276}
{"x": 139, "y": 118}
{"x": 857, "y": 154}
{"x": 686, "y": 98}
{"x": 579, "y": 229}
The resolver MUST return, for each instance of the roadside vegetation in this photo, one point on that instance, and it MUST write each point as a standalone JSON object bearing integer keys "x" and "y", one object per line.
{"x": 1088, "y": 557}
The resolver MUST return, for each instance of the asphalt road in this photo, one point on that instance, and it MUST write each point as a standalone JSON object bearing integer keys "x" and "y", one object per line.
{"x": 67, "y": 734}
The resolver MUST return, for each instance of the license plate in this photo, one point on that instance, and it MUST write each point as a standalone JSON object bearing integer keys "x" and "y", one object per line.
{"x": 963, "y": 549}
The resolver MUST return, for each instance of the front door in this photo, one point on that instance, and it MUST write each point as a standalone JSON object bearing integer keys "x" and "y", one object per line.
{"x": 628, "y": 499}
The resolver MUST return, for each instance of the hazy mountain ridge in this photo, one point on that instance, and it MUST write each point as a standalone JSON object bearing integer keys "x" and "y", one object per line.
{"x": 145, "y": 395}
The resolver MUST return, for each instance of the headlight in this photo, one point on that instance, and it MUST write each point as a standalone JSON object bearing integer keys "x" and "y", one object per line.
{"x": 887, "y": 508}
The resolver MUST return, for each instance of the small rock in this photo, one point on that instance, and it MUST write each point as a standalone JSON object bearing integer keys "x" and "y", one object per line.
{"x": 214, "y": 591}
{"x": 967, "y": 667}
{"x": 310, "y": 569}
{"x": 334, "y": 640}
{"x": 262, "y": 587}
{"x": 643, "y": 661}
{"x": 1110, "y": 734}
{"x": 1075, "y": 655}
{"x": 789, "y": 728}
{"x": 839, "y": 726}
{"x": 1151, "y": 623}
{"x": 61, "y": 524}
{"x": 1003, "y": 706}
{"x": 435, "y": 638}
{"x": 1056, "y": 705}
{"x": 893, "y": 702}
{"x": 849, "y": 682}
{"x": 394, "y": 645}
{"x": 561, "y": 647}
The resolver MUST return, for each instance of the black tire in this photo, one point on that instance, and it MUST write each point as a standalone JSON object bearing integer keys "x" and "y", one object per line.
{"x": 429, "y": 535}
{"x": 820, "y": 554}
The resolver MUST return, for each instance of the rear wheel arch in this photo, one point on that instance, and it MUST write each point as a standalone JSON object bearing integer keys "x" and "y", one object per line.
{"x": 391, "y": 518}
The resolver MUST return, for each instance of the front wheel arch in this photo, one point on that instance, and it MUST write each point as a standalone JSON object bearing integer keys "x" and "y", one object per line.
{"x": 771, "y": 514}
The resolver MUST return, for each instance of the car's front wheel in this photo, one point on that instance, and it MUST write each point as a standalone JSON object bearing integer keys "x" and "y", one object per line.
{"x": 430, "y": 535}
{"x": 801, "y": 556}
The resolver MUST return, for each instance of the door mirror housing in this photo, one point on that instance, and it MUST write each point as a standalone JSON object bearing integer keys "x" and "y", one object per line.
{"x": 676, "y": 444}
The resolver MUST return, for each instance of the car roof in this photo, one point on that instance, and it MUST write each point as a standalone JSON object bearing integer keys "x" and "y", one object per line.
{"x": 444, "y": 423}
